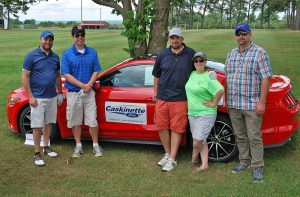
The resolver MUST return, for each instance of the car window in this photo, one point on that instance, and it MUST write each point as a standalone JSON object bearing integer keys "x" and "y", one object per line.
{"x": 131, "y": 76}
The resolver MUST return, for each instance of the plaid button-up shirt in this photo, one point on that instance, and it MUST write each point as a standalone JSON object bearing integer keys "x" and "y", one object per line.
{"x": 245, "y": 71}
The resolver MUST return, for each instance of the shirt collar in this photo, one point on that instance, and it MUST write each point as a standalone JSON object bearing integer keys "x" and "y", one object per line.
{"x": 181, "y": 52}
{"x": 42, "y": 52}
{"x": 75, "y": 51}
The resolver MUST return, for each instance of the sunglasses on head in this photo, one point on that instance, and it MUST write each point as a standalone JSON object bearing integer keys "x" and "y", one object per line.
{"x": 196, "y": 61}
{"x": 243, "y": 33}
{"x": 79, "y": 35}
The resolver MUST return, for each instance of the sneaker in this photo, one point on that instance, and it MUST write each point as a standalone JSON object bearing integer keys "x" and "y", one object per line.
{"x": 77, "y": 152}
{"x": 48, "y": 151}
{"x": 38, "y": 160}
{"x": 170, "y": 164}
{"x": 164, "y": 159}
{"x": 258, "y": 175}
{"x": 240, "y": 167}
{"x": 98, "y": 151}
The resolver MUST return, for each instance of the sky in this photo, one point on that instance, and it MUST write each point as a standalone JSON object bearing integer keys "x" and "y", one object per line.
{"x": 68, "y": 10}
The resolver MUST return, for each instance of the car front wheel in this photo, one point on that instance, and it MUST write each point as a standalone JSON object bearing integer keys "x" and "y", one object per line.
{"x": 25, "y": 128}
{"x": 221, "y": 140}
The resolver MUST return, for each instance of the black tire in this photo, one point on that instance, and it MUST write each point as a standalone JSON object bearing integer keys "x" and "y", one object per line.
{"x": 221, "y": 140}
{"x": 25, "y": 128}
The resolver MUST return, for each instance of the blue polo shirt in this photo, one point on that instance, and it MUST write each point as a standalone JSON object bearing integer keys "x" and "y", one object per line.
{"x": 43, "y": 72}
{"x": 173, "y": 71}
{"x": 79, "y": 65}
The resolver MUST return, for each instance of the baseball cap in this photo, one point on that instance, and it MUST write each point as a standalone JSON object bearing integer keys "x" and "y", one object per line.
{"x": 76, "y": 29}
{"x": 242, "y": 26}
{"x": 46, "y": 34}
{"x": 175, "y": 32}
{"x": 200, "y": 54}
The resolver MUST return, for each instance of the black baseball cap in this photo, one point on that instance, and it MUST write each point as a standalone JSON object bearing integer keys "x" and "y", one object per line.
{"x": 76, "y": 29}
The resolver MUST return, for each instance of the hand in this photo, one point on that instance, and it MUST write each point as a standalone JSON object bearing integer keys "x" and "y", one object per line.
{"x": 212, "y": 74}
{"x": 86, "y": 88}
{"x": 81, "y": 93}
{"x": 154, "y": 97}
{"x": 60, "y": 98}
{"x": 33, "y": 102}
{"x": 260, "y": 108}
{"x": 209, "y": 103}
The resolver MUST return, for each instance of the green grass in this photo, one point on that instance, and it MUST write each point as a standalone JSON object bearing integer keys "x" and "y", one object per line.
{"x": 129, "y": 169}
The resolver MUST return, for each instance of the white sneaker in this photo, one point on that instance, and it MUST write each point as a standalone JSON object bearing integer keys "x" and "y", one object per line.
{"x": 170, "y": 164}
{"x": 48, "y": 151}
{"x": 77, "y": 151}
{"x": 164, "y": 159}
{"x": 38, "y": 160}
{"x": 98, "y": 151}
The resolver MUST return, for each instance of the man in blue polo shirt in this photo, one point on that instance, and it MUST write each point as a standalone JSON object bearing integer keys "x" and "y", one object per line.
{"x": 40, "y": 78}
{"x": 80, "y": 66}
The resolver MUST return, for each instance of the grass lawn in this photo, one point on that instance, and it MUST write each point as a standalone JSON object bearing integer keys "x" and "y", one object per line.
{"x": 130, "y": 169}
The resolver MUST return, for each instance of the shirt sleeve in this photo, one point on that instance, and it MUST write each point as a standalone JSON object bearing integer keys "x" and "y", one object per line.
{"x": 65, "y": 65}
{"x": 28, "y": 63}
{"x": 96, "y": 67}
{"x": 214, "y": 87}
{"x": 156, "y": 72}
{"x": 264, "y": 65}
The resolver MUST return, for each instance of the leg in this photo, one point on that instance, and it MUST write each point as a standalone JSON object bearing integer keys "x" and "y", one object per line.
{"x": 175, "y": 142}
{"x": 204, "y": 156}
{"x": 94, "y": 134}
{"x": 240, "y": 130}
{"x": 37, "y": 132}
{"x": 196, "y": 150}
{"x": 165, "y": 139}
{"x": 77, "y": 134}
{"x": 253, "y": 122}
{"x": 47, "y": 132}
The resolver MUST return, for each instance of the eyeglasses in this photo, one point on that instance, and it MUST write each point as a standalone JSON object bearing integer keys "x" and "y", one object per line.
{"x": 79, "y": 35}
{"x": 243, "y": 33}
{"x": 196, "y": 61}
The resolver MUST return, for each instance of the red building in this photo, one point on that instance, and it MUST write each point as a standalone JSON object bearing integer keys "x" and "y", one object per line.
{"x": 95, "y": 24}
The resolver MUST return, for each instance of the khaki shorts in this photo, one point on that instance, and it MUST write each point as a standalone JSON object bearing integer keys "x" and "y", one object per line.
{"x": 79, "y": 109}
{"x": 44, "y": 113}
{"x": 171, "y": 115}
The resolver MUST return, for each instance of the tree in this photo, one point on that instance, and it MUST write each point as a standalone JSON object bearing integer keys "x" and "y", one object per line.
{"x": 8, "y": 7}
{"x": 145, "y": 21}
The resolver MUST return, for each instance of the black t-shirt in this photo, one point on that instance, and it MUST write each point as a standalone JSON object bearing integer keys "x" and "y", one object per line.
{"x": 173, "y": 71}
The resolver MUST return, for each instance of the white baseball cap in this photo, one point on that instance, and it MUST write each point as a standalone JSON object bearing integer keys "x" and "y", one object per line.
{"x": 175, "y": 32}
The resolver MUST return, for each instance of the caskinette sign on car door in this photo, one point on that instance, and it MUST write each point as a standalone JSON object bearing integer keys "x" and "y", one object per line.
{"x": 134, "y": 113}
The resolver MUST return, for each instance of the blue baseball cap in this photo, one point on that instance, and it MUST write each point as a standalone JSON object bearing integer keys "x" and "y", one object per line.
{"x": 46, "y": 34}
{"x": 242, "y": 26}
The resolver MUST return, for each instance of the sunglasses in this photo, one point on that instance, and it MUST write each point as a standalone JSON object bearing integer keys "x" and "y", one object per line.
{"x": 243, "y": 33}
{"x": 79, "y": 35}
{"x": 196, "y": 61}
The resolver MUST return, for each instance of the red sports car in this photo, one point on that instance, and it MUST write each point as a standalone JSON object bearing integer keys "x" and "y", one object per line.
{"x": 125, "y": 111}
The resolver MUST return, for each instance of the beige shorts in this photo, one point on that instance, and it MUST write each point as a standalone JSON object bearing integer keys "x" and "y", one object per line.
{"x": 44, "y": 113}
{"x": 79, "y": 109}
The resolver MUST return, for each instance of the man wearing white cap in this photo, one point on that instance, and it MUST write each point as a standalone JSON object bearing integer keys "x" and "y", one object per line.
{"x": 171, "y": 71}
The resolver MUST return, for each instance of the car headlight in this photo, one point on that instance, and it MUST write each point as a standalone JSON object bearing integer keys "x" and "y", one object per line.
{"x": 13, "y": 101}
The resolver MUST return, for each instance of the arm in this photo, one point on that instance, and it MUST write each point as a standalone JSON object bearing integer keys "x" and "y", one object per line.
{"x": 58, "y": 82}
{"x": 155, "y": 89}
{"x": 26, "y": 85}
{"x": 75, "y": 82}
{"x": 216, "y": 99}
{"x": 93, "y": 79}
{"x": 261, "y": 105}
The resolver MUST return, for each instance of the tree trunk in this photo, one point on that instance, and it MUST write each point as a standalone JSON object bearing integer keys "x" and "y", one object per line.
{"x": 159, "y": 27}
{"x": 203, "y": 16}
{"x": 230, "y": 14}
{"x": 248, "y": 13}
{"x": 297, "y": 22}
{"x": 262, "y": 14}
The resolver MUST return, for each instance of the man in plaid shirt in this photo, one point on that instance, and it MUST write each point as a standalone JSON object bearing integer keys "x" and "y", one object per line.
{"x": 248, "y": 72}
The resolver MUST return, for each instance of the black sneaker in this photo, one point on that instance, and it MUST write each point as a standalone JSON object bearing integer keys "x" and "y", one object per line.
{"x": 258, "y": 175}
{"x": 48, "y": 151}
{"x": 38, "y": 159}
{"x": 240, "y": 167}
